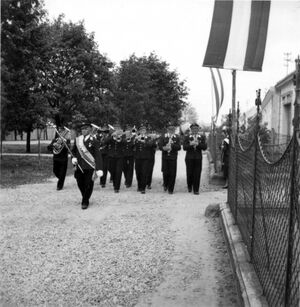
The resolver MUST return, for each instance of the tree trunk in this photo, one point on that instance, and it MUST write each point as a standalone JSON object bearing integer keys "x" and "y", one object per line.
{"x": 28, "y": 132}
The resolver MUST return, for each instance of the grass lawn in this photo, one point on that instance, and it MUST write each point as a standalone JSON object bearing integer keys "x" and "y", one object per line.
{"x": 17, "y": 170}
{"x": 21, "y": 148}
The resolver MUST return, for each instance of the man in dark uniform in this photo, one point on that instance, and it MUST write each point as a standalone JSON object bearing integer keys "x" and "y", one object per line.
{"x": 152, "y": 159}
{"x": 103, "y": 135}
{"x": 60, "y": 155}
{"x": 144, "y": 146}
{"x": 169, "y": 144}
{"x": 128, "y": 160}
{"x": 115, "y": 143}
{"x": 87, "y": 159}
{"x": 193, "y": 144}
{"x": 225, "y": 155}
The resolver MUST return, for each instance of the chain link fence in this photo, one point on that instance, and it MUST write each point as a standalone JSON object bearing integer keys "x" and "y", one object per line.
{"x": 263, "y": 195}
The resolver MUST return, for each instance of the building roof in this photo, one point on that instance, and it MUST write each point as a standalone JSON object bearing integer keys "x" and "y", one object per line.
{"x": 268, "y": 96}
{"x": 285, "y": 80}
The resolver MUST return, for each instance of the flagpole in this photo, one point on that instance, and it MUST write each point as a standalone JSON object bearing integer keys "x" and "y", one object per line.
{"x": 233, "y": 99}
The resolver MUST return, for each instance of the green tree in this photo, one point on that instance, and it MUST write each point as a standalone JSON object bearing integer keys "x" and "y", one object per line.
{"x": 23, "y": 51}
{"x": 78, "y": 78}
{"x": 147, "y": 91}
{"x": 189, "y": 114}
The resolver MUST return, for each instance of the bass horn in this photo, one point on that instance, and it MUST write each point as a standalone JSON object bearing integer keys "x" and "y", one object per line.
{"x": 59, "y": 144}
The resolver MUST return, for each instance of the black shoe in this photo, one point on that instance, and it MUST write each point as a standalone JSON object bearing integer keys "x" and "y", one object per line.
{"x": 149, "y": 187}
{"x": 143, "y": 191}
{"x": 170, "y": 192}
{"x": 190, "y": 190}
{"x": 165, "y": 189}
{"x": 102, "y": 185}
{"x": 116, "y": 191}
{"x": 59, "y": 188}
{"x": 196, "y": 193}
{"x": 225, "y": 186}
{"x": 84, "y": 206}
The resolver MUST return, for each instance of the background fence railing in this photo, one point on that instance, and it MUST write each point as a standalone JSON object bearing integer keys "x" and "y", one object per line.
{"x": 263, "y": 195}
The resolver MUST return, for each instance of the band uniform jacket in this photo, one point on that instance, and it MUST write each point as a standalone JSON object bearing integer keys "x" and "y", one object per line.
{"x": 102, "y": 143}
{"x": 63, "y": 154}
{"x": 129, "y": 147}
{"x": 175, "y": 146}
{"x": 115, "y": 148}
{"x": 144, "y": 150}
{"x": 92, "y": 145}
{"x": 191, "y": 151}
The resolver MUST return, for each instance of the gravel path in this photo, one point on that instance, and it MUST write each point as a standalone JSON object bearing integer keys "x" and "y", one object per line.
{"x": 127, "y": 249}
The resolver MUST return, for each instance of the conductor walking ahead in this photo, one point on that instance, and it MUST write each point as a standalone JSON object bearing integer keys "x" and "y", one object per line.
{"x": 87, "y": 159}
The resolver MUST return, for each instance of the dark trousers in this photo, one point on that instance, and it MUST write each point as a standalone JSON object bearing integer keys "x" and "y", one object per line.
{"x": 116, "y": 167}
{"x": 193, "y": 173}
{"x": 105, "y": 169}
{"x": 85, "y": 183}
{"x": 128, "y": 164}
{"x": 169, "y": 174}
{"x": 60, "y": 171}
{"x": 141, "y": 172}
{"x": 109, "y": 167}
{"x": 150, "y": 171}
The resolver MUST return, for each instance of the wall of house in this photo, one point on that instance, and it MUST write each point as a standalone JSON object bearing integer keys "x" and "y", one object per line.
{"x": 287, "y": 98}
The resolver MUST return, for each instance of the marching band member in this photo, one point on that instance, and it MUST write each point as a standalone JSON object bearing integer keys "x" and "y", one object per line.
{"x": 225, "y": 155}
{"x": 169, "y": 144}
{"x": 115, "y": 143}
{"x": 128, "y": 162}
{"x": 193, "y": 144}
{"x": 103, "y": 135}
{"x": 151, "y": 161}
{"x": 60, "y": 155}
{"x": 143, "y": 147}
{"x": 87, "y": 156}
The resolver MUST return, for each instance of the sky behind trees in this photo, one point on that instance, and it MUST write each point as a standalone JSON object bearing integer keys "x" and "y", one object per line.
{"x": 178, "y": 31}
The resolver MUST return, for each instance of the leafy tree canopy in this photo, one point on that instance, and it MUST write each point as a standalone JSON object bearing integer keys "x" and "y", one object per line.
{"x": 148, "y": 91}
{"x": 22, "y": 49}
{"x": 77, "y": 78}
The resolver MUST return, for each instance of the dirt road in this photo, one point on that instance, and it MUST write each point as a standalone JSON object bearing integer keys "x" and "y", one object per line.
{"x": 127, "y": 249}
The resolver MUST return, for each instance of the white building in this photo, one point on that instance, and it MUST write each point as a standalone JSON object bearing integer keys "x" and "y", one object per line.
{"x": 277, "y": 109}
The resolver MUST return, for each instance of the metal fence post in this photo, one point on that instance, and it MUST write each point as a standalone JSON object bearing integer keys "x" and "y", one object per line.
{"x": 258, "y": 104}
{"x": 293, "y": 198}
{"x": 236, "y": 162}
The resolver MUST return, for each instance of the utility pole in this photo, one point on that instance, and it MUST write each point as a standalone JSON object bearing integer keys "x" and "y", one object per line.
{"x": 287, "y": 59}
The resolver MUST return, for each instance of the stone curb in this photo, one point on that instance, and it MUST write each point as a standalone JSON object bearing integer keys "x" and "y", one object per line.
{"x": 251, "y": 293}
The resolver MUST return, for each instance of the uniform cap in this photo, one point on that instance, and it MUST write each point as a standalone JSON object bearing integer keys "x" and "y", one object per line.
{"x": 85, "y": 124}
{"x": 142, "y": 127}
{"x": 194, "y": 125}
{"x": 170, "y": 125}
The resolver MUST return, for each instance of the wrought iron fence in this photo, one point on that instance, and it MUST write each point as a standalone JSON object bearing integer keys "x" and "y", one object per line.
{"x": 263, "y": 195}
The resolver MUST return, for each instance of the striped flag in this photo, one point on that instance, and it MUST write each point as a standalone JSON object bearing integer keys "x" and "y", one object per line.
{"x": 219, "y": 97}
{"x": 238, "y": 35}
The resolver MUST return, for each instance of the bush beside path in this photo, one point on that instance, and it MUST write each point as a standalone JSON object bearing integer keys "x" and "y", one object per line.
{"x": 126, "y": 249}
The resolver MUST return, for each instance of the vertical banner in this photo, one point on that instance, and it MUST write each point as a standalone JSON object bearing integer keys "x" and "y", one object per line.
{"x": 238, "y": 35}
